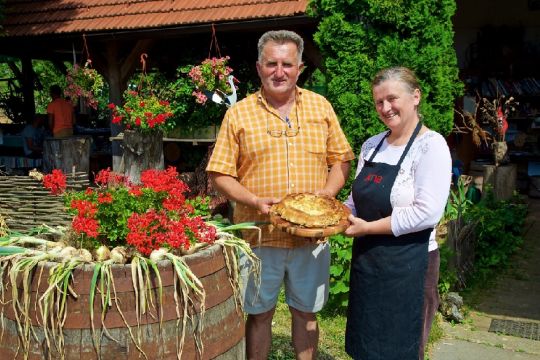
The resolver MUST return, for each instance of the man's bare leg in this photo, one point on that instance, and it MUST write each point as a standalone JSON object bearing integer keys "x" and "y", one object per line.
{"x": 259, "y": 335}
{"x": 305, "y": 334}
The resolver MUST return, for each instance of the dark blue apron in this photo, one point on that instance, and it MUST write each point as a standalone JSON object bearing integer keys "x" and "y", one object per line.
{"x": 384, "y": 320}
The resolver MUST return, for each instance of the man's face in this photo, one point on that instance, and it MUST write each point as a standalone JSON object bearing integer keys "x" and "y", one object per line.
{"x": 279, "y": 68}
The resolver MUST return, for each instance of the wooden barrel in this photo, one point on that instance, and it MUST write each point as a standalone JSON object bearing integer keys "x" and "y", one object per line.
{"x": 223, "y": 322}
{"x": 71, "y": 154}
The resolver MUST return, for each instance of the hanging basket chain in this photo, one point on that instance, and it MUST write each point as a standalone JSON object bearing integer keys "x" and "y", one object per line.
{"x": 214, "y": 44}
{"x": 86, "y": 52}
{"x": 143, "y": 78}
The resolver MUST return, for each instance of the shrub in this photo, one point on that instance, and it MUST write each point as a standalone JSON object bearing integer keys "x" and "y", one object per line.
{"x": 341, "y": 253}
{"x": 359, "y": 37}
{"x": 499, "y": 233}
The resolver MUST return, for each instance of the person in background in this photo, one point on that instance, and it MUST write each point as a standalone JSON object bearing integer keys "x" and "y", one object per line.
{"x": 399, "y": 195}
{"x": 61, "y": 114}
{"x": 282, "y": 139}
{"x": 33, "y": 135}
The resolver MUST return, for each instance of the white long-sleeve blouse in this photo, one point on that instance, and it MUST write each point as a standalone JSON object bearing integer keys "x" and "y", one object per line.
{"x": 421, "y": 189}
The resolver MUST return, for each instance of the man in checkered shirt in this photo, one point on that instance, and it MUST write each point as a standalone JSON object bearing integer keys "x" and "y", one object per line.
{"x": 280, "y": 140}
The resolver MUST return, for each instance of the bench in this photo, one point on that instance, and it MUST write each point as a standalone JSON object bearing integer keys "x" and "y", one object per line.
{"x": 12, "y": 154}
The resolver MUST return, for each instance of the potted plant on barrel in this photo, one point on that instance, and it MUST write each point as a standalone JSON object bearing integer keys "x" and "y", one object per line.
{"x": 145, "y": 118}
{"x": 138, "y": 259}
{"x": 494, "y": 114}
{"x": 488, "y": 124}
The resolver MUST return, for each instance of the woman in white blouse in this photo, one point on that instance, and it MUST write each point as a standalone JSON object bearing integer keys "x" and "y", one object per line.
{"x": 399, "y": 195}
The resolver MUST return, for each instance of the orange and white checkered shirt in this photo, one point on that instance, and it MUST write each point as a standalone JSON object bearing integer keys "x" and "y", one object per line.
{"x": 271, "y": 166}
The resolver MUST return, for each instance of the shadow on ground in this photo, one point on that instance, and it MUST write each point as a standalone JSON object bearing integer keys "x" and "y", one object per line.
{"x": 282, "y": 350}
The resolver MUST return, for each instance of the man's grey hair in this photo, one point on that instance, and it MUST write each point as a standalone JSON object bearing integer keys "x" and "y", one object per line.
{"x": 281, "y": 37}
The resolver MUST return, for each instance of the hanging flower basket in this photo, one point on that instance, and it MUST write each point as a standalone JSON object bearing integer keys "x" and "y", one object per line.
{"x": 142, "y": 111}
{"x": 84, "y": 82}
{"x": 211, "y": 78}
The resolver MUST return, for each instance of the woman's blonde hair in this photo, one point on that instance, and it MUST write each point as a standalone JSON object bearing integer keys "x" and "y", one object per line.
{"x": 397, "y": 73}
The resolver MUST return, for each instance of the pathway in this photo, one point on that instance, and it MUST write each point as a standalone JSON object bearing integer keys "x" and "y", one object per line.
{"x": 515, "y": 296}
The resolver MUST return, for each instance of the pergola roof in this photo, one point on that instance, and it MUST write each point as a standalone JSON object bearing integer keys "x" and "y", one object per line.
{"x": 116, "y": 32}
{"x": 54, "y": 17}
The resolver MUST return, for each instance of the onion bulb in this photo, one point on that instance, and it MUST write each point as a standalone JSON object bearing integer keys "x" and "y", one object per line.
{"x": 103, "y": 253}
{"x": 194, "y": 248}
{"x": 85, "y": 255}
{"x": 53, "y": 251}
{"x": 68, "y": 252}
{"x": 119, "y": 255}
{"x": 158, "y": 254}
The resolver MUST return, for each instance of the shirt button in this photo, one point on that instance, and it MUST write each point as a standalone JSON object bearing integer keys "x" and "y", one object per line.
{"x": 292, "y": 164}
{"x": 292, "y": 185}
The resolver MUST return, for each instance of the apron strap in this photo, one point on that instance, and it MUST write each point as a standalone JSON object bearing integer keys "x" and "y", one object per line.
{"x": 379, "y": 145}
{"x": 409, "y": 144}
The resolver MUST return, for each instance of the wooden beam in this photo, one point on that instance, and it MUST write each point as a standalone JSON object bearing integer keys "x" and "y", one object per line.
{"x": 312, "y": 53}
{"x": 28, "y": 76}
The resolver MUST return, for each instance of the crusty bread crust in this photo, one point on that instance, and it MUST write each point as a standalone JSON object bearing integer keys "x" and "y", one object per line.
{"x": 310, "y": 210}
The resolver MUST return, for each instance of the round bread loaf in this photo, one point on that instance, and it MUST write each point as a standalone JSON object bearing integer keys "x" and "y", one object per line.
{"x": 310, "y": 210}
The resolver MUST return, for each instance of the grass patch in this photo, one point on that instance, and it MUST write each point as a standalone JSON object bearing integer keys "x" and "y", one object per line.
{"x": 435, "y": 335}
{"x": 331, "y": 336}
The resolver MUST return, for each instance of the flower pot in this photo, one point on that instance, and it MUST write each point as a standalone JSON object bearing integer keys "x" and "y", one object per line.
{"x": 142, "y": 151}
{"x": 222, "y": 333}
{"x": 500, "y": 152}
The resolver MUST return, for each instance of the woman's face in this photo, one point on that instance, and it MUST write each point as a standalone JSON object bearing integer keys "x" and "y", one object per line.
{"x": 395, "y": 104}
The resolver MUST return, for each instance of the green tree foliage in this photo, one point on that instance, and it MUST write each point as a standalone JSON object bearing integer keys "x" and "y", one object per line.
{"x": 47, "y": 74}
{"x": 359, "y": 37}
{"x": 11, "y": 97}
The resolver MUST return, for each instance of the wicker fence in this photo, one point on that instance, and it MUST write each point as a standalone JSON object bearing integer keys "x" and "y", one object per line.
{"x": 25, "y": 203}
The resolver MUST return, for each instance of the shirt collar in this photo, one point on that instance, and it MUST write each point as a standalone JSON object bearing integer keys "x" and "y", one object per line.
{"x": 262, "y": 99}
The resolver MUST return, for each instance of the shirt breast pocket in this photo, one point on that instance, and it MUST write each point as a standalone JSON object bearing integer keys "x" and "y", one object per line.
{"x": 315, "y": 137}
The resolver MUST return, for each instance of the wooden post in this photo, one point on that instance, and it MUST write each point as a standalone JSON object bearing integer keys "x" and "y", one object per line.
{"x": 141, "y": 152}
{"x": 461, "y": 239}
{"x": 71, "y": 154}
{"x": 502, "y": 180}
